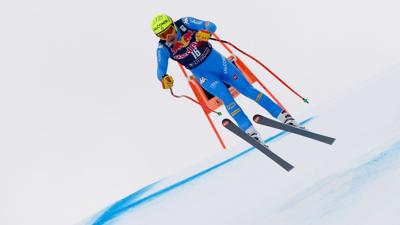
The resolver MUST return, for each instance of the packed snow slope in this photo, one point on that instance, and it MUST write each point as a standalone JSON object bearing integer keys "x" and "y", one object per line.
{"x": 354, "y": 181}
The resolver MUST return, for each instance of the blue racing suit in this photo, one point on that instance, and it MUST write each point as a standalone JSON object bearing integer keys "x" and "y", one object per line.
{"x": 211, "y": 69}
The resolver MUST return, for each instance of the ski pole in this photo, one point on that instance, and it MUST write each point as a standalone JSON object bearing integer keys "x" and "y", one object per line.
{"x": 191, "y": 99}
{"x": 261, "y": 64}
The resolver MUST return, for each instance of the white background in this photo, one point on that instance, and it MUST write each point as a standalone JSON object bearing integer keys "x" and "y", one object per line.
{"x": 83, "y": 118}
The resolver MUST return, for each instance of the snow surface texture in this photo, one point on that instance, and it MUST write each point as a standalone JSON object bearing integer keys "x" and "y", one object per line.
{"x": 355, "y": 181}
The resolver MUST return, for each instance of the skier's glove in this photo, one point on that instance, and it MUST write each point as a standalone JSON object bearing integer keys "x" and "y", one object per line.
{"x": 167, "y": 81}
{"x": 203, "y": 35}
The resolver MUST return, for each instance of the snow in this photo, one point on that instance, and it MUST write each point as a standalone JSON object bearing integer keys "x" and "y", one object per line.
{"x": 78, "y": 86}
{"x": 354, "y": 181}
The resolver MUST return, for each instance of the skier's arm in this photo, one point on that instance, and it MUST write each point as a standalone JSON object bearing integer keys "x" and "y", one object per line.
{"x": 162, "y": 61}
{"x": 197, "y": 24}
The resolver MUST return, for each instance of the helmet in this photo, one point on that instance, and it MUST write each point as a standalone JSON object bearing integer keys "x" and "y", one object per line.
{"x": 160, "y": 23}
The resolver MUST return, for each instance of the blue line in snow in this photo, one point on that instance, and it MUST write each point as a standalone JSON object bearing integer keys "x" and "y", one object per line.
{"x": 118, "y": 207}
{"x": 344, "y": 191}
{"x": 124, "y": 205}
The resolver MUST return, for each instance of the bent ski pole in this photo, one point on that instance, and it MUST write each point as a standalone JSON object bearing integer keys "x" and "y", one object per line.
{"x": 191, "y": 99}
{"x": 264, "y": 66}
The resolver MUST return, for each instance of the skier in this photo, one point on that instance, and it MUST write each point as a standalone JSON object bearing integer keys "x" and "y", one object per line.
{"x": 186, "y": 41}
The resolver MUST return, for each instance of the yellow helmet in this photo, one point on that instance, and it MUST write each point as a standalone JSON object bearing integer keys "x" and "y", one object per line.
{"x": 160, "y": 22}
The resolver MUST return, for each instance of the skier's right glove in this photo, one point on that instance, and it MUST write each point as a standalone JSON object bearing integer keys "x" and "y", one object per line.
{"x": 167, "y": 81}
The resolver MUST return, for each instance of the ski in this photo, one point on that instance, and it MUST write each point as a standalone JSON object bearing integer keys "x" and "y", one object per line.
{"x": 264, "y": 149}
{"x": 305, "y": 133}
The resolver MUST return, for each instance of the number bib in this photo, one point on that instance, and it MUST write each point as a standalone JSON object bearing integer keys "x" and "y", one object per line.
{"x": 187, "y": 51}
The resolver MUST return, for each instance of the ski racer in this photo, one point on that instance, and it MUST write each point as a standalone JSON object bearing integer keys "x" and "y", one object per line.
{"x": 186, "y": 41}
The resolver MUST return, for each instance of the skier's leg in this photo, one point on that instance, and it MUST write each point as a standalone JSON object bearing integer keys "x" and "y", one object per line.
{"x": 233, "y": 76}
{"x": 207, "y": 74}
{"x": 216, "y": 87}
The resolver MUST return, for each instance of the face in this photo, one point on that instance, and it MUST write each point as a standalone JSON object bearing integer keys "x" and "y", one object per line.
{"x": 169, "y": 34}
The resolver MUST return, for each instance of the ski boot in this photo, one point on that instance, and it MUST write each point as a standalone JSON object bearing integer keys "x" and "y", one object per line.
{"x": 252, "y": 132}
{"x": 286, "y": 118}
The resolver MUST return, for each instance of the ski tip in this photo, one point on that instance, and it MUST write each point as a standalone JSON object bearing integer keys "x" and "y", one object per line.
{"x": 289, "y": 168}
{"x": 256, "y": 117}
{"x": 226, "y": 122}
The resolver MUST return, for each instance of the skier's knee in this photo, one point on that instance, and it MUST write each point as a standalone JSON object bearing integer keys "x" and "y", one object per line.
{"x": 226, "y": 98}
{"x": 258, "y": 97}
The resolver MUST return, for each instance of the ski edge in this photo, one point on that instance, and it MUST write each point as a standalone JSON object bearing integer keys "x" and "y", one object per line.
{"x": 305, "y": 133}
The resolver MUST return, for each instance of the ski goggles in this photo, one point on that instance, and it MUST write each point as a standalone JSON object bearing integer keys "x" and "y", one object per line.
{"x": 170, "y": 30}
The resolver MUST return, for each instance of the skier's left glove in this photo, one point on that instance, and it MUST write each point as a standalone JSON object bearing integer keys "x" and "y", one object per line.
{"x": 167, "y": 81}
{"x": 203, "y": 35}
